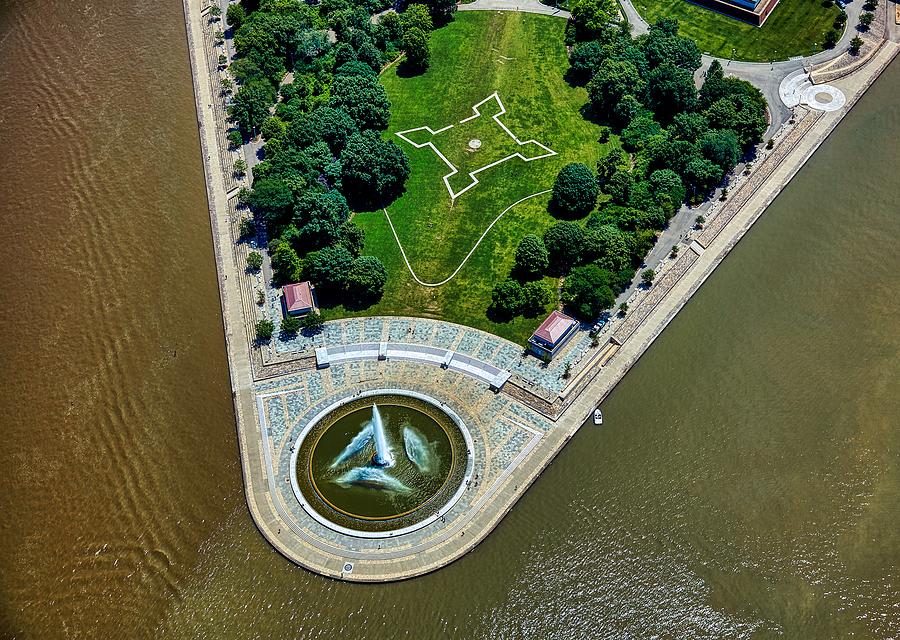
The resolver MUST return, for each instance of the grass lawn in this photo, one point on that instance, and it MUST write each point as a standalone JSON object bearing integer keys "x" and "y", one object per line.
{"x": 795, "y": 28}
{"x": 522, "y": 57}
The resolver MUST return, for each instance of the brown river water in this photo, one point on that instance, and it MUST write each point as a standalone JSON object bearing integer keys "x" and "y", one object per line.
{"x": 746, "y": 483}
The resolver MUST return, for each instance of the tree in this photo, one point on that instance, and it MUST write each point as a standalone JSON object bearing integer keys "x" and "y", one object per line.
{"x": 328, "y": 268}
{"x": 441, "y": 10}
{"x": 320, "y": 216}
{"x": 535, "y": 296}
{"x": 606, "y": 245}
{"x": 369, "y": 55}
{"x": 332, "y": 126}
{"x": 667, "y": 182}
{"x": 574, "y": 190}
{"x": 363, "y": 98}
{"x": 254, "y": 260}
{"x": 273, "y": 199}
{"x": 865, "y": 20}
{"x": 742, "y": 114}
{"x": 240, "y": 167}
{"x": 591, "y": 17}
{"x": 660, "y": 47}
{"x": 264, "y": 330}
{"x": 251, "y": 105}
{"x": 721, "y": 148}
{"x": 506, "y": 300}
{"x": 273, "y": 128}
{"x": 702, "y": 175}
{"x": 689, "y": 127}
{"x": 586, "y": 58}
{"x": 611, "y": 82}
{"x": 587, "y": 291}
{"x": 647, "y": 276}
{"x": 373, "y": 170}
{"x": 670, "y": 90}
{"x": 531, "y": 257}
{"x": 352, "y": 238}
{"x": 416, "y": 16}
{"x": 286, "y": 263}
{"x": 366, "y": 279}
{"x": 855, "y": 45}
{"x": 608, "y": 165}
{"x": 564, "y": 242}
{"x": 235, "y": 139}
{"x": 235, "y": 16}
{"x": 831, "y": 38}
{"x": 215, "y": 11}
{"x": 415, "y": 44}
{"x": 312, "y": 322}
{"x": 619, "y": 186}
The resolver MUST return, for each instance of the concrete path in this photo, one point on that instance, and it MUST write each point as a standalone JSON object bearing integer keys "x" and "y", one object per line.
{"x": 526, "y": 6}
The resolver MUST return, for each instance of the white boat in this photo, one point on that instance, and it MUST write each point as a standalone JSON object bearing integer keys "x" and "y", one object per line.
{"x": 598, "y": 416}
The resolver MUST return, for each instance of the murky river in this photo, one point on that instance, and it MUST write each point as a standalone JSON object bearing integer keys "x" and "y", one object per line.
{"x": 746, "y": 484}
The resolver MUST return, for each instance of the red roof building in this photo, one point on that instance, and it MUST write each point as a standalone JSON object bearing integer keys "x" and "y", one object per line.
{"x": 553, "y": 334}
{"x": 297, "y": 299}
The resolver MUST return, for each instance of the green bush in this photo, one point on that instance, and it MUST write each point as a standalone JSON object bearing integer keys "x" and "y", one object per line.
{"x": 264, "y": 330}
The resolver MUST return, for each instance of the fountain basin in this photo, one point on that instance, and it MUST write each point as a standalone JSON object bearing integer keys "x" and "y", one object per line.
{"x": 339, "y": 477}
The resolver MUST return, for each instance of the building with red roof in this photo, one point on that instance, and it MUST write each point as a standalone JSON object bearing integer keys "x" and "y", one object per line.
{"x": 297, "y": 299}
{"x": 552, "y": 335}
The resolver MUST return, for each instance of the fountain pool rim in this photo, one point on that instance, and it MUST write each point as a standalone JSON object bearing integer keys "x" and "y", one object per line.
{"x": 393, "y": 533}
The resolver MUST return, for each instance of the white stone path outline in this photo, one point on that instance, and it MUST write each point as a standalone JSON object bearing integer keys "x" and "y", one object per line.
{"x": 468, "y": 255}
{"x": 453, "y": 170}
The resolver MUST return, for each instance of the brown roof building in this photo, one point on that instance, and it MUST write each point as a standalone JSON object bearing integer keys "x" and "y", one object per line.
{"x": 297, "y": 299}
{"x": 552, "y": 335}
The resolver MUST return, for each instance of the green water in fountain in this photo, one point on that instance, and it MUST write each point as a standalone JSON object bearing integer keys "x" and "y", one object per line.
{"x": 339, "y": 476}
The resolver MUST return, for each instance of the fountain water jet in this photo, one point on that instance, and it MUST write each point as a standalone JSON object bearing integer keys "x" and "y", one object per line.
{"x": 383, "y": 456}
{"x": 359, "y": 441}
{"x": 417, "y": 448}
{"x": 373, "y": 478}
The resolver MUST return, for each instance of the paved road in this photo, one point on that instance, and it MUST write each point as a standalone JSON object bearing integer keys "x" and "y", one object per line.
{"x": 527, "y": 6}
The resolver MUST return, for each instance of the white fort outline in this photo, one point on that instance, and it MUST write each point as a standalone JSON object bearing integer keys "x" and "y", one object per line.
{"x": 453, "y": 170}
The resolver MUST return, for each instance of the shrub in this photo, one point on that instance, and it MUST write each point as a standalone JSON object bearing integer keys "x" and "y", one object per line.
{"x": 254, "y": 260}
{"x": 247, "y": 228}
{"x": 264, "y": 330}
{"x": 313, "y": 321}
{"x": 290, "y": 325}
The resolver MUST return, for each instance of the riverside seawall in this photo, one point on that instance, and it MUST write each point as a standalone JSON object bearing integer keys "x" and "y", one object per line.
{"x": 566, "y": 410}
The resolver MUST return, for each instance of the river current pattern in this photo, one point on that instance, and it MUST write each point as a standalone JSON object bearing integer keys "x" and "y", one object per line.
{"x": 744, "y": 484}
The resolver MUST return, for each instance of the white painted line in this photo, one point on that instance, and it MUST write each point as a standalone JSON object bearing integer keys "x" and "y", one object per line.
{"x": 453, "y": 170}
{"x": 469, "y": 255}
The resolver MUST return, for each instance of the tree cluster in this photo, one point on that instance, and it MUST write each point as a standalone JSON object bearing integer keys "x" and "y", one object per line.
{"x": 324, "y": 153}
{"x": 644, "y": 89}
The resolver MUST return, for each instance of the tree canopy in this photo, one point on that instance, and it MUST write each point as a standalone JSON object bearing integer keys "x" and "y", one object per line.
{"x": 374, "y": 170}
{"x": 574, "y": 190}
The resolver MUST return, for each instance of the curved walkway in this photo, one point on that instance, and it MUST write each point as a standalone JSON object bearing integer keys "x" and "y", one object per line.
{"x": 468, "y": 255}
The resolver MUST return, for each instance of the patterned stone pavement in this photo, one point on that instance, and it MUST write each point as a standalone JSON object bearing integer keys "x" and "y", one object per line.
{"x": 503, "y": 432}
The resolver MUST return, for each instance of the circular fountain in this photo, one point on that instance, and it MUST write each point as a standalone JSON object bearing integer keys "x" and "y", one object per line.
{"x": 382, "y": 463}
